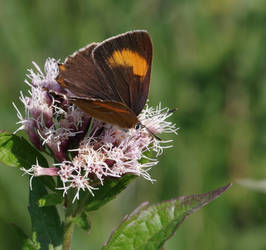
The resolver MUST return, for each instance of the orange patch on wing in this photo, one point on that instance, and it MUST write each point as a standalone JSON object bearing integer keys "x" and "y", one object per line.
{"x": 62, "y": 67}
{"x": 108, "y": 106}
{"x": 59, "y": 78}
{"x": 126, "y": 57}
{"x": 60, "y": 81}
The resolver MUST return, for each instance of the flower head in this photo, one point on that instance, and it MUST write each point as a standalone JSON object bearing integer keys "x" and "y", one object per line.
{"x": 87, "y": 151}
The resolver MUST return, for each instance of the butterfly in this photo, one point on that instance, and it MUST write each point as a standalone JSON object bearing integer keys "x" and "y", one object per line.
{"x": 110, "y": 80}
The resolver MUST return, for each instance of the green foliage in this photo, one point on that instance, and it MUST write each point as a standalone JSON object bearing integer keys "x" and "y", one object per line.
{"x": 29, "y": 246}
{"x": 149, "y": 227}
{"x": 107, "y": 192}
{"x": 46, "y": 224}
{"x": 83, "y": 222}
{"x": 15, "y": 151}
{"x": 52, "y": 199}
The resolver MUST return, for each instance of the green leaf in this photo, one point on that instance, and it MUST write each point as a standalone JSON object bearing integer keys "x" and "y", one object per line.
{"x": 107, "y": 192}
{"x": 15, "y": 151}
{"x": 28, "y": 245}
{"x": 45, "y": 221}
{"x": 83, "y": 222}
{"x": 51, "y": 200}
{"x": 35, "y": 242}
{"x": 149, "y": 227}
{"x": 148, "y": 155}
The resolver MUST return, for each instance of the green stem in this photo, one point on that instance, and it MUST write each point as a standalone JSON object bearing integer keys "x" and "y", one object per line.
{"x": 71, "y": 213}
{"x": 81, "y": 205}
{"x": 68, "y": 232}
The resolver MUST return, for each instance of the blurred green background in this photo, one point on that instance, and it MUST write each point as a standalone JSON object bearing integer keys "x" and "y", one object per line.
{"x": 209, "y": 61}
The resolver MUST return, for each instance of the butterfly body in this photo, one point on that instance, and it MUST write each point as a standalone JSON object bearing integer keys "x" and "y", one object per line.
{"x": 110, "y": 80}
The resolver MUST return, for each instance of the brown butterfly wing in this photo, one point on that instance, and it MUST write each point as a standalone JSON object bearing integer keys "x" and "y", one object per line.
{"x": 108, "y": 111}
{"x": 79, "y": 75}
{"x": 126, "y": 62}
{"x": 91, "y": 92}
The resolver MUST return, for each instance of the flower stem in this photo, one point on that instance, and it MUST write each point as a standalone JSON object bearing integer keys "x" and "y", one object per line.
{"x": 68, "y": 232}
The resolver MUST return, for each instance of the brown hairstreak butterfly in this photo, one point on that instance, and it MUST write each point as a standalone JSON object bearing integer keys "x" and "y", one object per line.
{"x": 110, "y": 80}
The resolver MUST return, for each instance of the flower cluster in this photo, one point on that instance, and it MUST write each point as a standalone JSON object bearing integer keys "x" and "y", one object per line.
{"x": 87, "y": 151}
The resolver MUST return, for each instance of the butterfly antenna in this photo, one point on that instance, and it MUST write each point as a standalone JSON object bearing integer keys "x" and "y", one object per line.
{"x": 153, "y": 135}
{"x": 172, "y": 111}
{"x": 140, "y": 125}
{"x": 150, "y": 132}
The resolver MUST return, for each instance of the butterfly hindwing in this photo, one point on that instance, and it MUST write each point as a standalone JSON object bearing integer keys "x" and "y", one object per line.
{"x": 109, "y": 111}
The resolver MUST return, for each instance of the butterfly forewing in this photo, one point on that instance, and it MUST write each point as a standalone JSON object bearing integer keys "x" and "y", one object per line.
{"x": 79, "y": 75}
{"x": 126, "y": 61}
